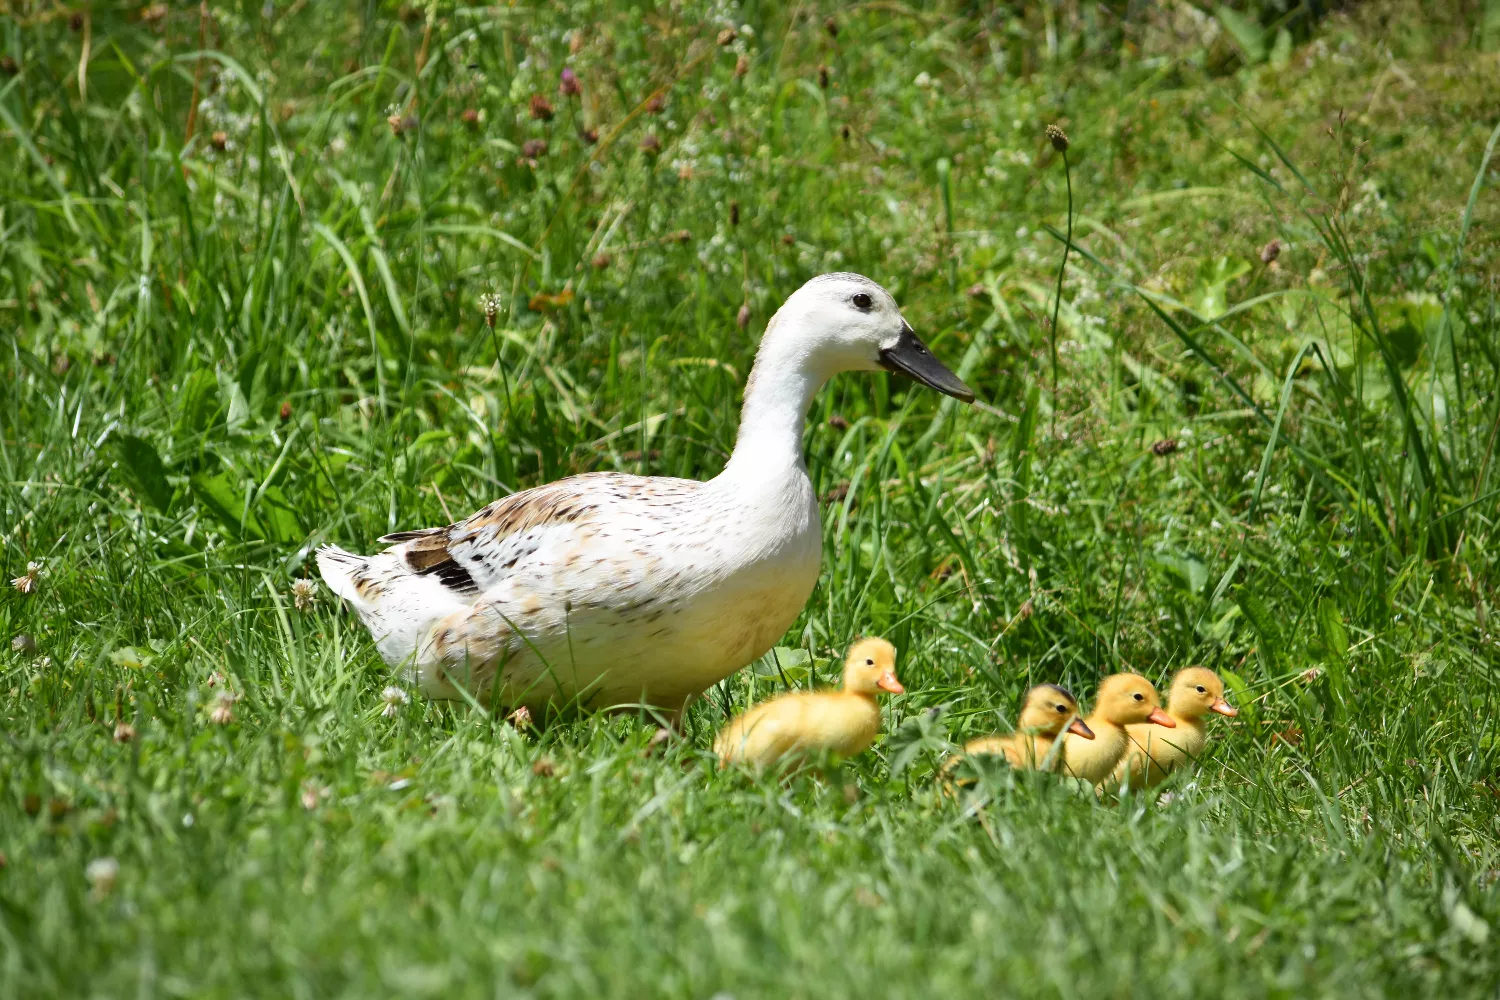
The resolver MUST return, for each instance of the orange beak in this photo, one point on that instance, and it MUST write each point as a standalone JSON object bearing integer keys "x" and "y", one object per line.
{"x": 1224, "y": 708}
{"x": 889, "y": 683}
{"x": 1078, "y": 728}
{"x": 1161, "y": 718}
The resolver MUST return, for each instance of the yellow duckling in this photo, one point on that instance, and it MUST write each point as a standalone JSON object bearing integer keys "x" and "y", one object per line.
{"x": 803, "y": 724}
{"x": 1123, "y": 699}
{"x": 1152, "y": 756}
{"x": 1046, "y": 711}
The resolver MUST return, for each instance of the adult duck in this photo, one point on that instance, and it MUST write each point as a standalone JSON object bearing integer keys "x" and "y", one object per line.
{"x": 607, "y": 590}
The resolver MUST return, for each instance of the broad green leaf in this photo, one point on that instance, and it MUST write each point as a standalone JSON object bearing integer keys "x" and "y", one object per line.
{"x": 225, "y": 501}
{"x": 143, "y": 470}
{"x": 1331, "y": 626}
{"x": 1245, "y": 32}
{"x": 794, "y": 663}
{"x": 1260, "y": 619}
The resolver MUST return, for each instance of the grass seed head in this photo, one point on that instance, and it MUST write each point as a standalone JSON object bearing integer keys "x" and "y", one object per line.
{"x": 823, "y": 77}
{"x": 219, "y": 140}
{"x": 541, "y": 108}
{"x": 727, "y": 36}
{"x": 601, "y": 261}
{"x": 1270, "y": 252}
{"x": 1164, "y": 447}
{"x": 533, "y": 149}
{"x": 1058, "y": 138}
{"x": 651, "y": 144}
{"x": 831, "y": 26}
{"x": 9, "y": 66}
{"x": 742, "y": 318}
{"x": 124, "y": 732}
{"x": 741, "y": 66}
{"x": 734, "y": 213}
{"x": 490, "y": 302}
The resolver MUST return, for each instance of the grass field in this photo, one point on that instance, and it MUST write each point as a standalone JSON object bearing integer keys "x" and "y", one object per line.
{"x": 243, "y": 250}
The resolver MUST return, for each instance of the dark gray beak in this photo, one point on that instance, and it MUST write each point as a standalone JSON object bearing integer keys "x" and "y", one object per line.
{"x": 911, "y": 358}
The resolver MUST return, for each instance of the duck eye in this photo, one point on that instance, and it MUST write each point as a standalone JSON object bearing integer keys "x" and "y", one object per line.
{"x": 869, "y": 663}
{"x": 1062, "y": 708}
{"x": 1139, "y": 696}
{"x": 862, "y": 300}
{"x": 1202, "y": 689}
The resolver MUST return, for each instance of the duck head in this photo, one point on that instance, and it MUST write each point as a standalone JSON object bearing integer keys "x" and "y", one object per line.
{"x": 1197, "y": 691}
{"x": 846, "y": 322}
{"x": 1048, "y": 709}
{"x": 871, "y": 667}
{"x": 1125, "y": 699}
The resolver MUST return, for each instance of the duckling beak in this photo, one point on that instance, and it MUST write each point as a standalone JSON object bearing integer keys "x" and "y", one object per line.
{"x": 1224, "y": 708}
{"x": 888, "y": 682}
{"x": 1161, "y": 718}
{"x": 910, "y": 357}
{"x": 1078, "y": 728}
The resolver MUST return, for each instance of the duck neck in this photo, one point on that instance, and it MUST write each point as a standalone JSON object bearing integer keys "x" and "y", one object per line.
{"x": 782, "y": 385}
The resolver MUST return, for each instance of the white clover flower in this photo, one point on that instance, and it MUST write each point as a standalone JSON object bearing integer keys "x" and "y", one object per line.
{"x": 304, "y": 592}
{"x": 26, "y": 583}
{"x": 102, "y": 874}
{"x": 394, "y": 698}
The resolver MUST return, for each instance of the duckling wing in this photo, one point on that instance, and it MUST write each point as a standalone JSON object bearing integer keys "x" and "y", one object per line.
{"x": 765, "y": 734}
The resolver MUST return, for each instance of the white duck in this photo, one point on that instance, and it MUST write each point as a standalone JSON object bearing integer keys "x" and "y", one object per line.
{"x": 606, "y": 590}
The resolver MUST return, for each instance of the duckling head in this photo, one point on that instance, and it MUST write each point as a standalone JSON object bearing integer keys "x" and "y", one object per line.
{"x": 871, "y": 667}
{"x": 1130, "y": 698}
{"x": 1197, "y": 691}
{"x": 846, "y": 322}
{"x": 1048, "y": 709}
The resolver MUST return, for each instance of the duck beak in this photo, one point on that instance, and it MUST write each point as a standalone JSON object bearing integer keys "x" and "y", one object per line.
{"x": 889, "y": 683}
{"x": 1078, "y": 728}
{"x": 910, "y": 357}
{"x": 1161, "y": 718}
{"x": 1224, "y": 708}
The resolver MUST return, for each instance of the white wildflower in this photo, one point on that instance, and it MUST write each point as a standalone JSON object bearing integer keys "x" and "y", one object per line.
{"x": 26, "y": 583}
{"x": 223, "y": 711}
{"x": 102, "y": 874}
{"x": 304, "y": 592}
{"x": 394, "y": 698}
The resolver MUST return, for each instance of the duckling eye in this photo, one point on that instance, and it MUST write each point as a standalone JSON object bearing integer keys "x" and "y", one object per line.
{"x": 869, "y": 663}
{"x": 1062, "y": 708}
{"x": 862, "y": 300}
{"x": 1139, "y": 696}
{"x": 1202, "y": 689}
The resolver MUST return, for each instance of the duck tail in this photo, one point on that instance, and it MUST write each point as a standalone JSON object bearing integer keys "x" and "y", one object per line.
{"x": 338, "y": 569}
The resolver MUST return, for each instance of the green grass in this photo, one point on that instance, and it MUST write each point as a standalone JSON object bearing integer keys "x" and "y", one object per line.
{"x": 217, "y": 358}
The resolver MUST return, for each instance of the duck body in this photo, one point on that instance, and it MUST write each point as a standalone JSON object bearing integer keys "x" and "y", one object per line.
{"x": 1152, "y": 755}
{"x": 605, "y": 588}
{"x": 1046, "y": 711}
{"x": 802, "y": 724}
{"x": 1123, "y": 700}
{"x": 608, "y": 590}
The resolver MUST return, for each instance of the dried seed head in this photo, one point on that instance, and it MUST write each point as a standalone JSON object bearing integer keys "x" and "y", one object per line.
{"x": 831, "y": 26}
{"x": 680, "y": 236}
{"x": 651, "y": 144}
{"x": 575, "y": 41}
{"x": 845, "y": 132}
{"x": 520, "y": 718}
{"x": 742, "y": 318}
{"x": 285, "y": 413}
{"x": 26, "y": 582}
{"x": 1270, "y": 252}
{"x": 567, "y": 83}
{"x": 823, "y": 77}
{"x": 1164, "y": 447}
{"x": 601, "y": 261}
{"x": 1311, "y": 674}
{"x": 787, "y": 239}
{"x": 734, "y": 213}
{"x": 23, "y": 643}
{"x": 1058, "y": 138}
{"x": 75, "y": 23}
{"x": 8, "y": 66}
{"x": 304, "y": 592}
{"x": 727, "y": 35}
{"x": 589, "y": 135}
{"x": 741, "y": 66}
{"x": 656, "y": 103}
{"x": 543, "y": 767}
{"x": 124, "y": 732}
{"x": 470, "y": 117}
{"x": 838, "y": 422}
{"x": 541, "y": 108}
{"x": 394, "y": 698}
{"x": 534, "y": 148}
{"x": 394, "y": 121}
{"x": 219, "y": 140}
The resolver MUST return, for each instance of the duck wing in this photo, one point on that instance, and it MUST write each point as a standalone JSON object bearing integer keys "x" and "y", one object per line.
{"x": 534, "y": 536}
